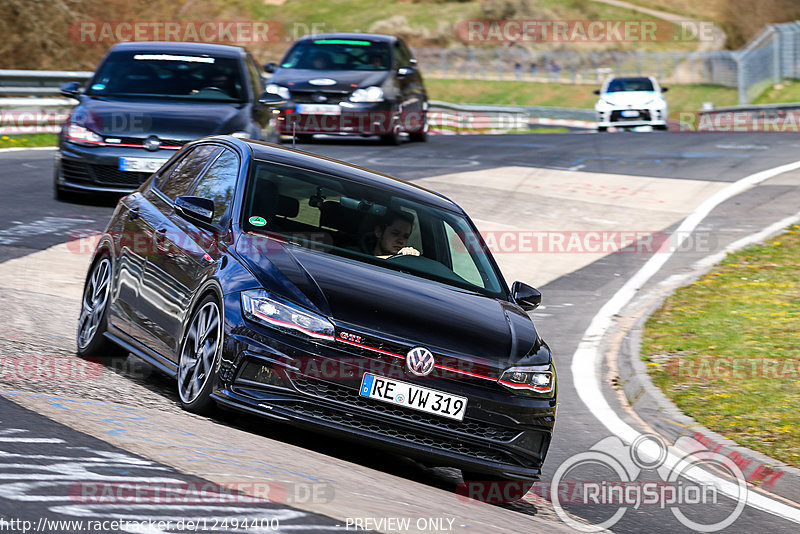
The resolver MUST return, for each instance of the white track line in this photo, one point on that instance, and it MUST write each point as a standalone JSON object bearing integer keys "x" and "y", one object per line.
{"x": 20, "y": 148}
{"x": 586, "y": 360}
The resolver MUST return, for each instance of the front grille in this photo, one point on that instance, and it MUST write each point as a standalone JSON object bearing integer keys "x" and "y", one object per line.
{"x": 410, "y": 436}
{"x": 107, "y": 174}
{"x": 644, "y": 115}
{"x": 78, "y": 171}
{"x": 75, "y": 171}
{"x": 315, "y": 97}
{"x": 343, "y": 394}
{"x": 141, "y": 140}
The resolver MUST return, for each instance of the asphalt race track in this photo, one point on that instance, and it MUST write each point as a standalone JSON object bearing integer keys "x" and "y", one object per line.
{"x": 112, "y": 423}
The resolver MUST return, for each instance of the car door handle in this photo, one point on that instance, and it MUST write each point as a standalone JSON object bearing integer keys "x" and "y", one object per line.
{"x": 133, "y": 214}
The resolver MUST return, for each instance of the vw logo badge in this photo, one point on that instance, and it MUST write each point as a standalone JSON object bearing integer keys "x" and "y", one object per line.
{"x": 419, "y": 361}
{"x": 152, "y": 143}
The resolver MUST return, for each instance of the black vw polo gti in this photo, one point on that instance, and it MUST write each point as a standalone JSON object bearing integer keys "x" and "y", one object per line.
{"x": 146, "y": 100}
{"x": 310, "y": 291}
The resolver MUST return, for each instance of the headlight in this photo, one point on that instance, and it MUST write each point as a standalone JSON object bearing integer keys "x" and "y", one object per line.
{"x": 533, "y": 380}
{"x": 82, "y": 136}
{"x": 370, "y": 94}
{"x": 279, "y": 90}
{"x": 262, "y": 308}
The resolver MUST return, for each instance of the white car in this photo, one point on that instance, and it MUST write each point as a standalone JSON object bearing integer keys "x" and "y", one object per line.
{"x": 631, "y": 102}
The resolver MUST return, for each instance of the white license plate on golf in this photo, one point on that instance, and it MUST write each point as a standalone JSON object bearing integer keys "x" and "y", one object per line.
{"x": 413, "y": 396}
{"x": 140, "y": 164}
{"x": 630, "y": 113}
{"x": 318, "y": 109}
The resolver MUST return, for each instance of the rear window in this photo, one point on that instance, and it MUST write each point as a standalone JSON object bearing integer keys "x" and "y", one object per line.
{"x": 338, "y": 54}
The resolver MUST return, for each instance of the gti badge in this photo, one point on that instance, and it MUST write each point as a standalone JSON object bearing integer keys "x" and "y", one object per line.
{"x": 152, "y": 143}
{"x": 419, "y": 361}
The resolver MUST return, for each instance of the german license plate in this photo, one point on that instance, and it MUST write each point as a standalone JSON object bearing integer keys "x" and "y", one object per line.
{"x": 630, "y": 113}
{"x": 413, "y": 396}
{"x": 140, "y": 164}
{"x": 318, "y": 109}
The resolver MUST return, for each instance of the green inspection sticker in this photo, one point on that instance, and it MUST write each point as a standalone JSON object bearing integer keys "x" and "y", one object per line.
{"x": 258, "y": 221}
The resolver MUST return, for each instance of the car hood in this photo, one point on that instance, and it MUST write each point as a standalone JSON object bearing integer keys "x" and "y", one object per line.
{"x": 168, "y": 119}
{"x": 344, "y": 80}
{"x": 630, "y": 98}
{"x": 391, "y": 305}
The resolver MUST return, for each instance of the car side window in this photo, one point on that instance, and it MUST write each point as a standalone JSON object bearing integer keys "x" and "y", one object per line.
{"x": 401, "y": 54}
{"x": 218, "y": 183}
{"x": 178, "y": 181}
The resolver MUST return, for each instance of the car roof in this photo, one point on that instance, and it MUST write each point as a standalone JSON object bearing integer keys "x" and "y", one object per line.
{"x": 377, "y": 37}
{"x": 355, "y": 173}
{"x": 216, "y": 50}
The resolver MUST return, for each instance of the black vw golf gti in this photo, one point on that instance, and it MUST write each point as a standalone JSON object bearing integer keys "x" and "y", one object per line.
{"x": 318, "y": 293}
{"x": 146, "y": 100}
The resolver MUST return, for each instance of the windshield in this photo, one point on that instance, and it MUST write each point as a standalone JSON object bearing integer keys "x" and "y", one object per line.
{"x": 182, "y": 76}
{"x": 338, "y": 54}
{"x": 630, "y": 84}
{"x": 336, "y": 216}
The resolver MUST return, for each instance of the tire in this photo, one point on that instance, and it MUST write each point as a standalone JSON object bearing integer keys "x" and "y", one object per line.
{"x": 421, "y": 135}
{"x": 198, "y": 356}
{"x": 495, "y": 490}
{"x": 93, "y": 320}
{"x": 305, "y": 139}
{"x": 662, "y": 127}
{"x": 393, "y": 138}
{"x": 418, "y": 137}
{"x": 602, "y": 128}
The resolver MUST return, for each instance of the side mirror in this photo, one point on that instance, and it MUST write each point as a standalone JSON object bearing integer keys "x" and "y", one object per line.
{"x": 269, "y": 67}
{"x": 597, "y": 91}
{"x": 406, "y": 71}
{"x": 664, "y": 89}
{"x": 71, "y": 89}
{"x": 526, "y": 296}
{"x": 201, "y": 209}
{"x": 271, "y": 99}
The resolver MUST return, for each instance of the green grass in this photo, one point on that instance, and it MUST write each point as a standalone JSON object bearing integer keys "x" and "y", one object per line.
{"x": 782, "y": 92}
{"x": 28, "y": 140}
{"x": 726, "y": 348}
{"x": 679, "y": 97}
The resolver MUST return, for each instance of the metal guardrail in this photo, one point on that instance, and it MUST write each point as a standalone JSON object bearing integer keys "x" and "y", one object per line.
{"x": 755, "y": 108}
{"x": 36, "y": 115}
{"x": 37, "y": 82}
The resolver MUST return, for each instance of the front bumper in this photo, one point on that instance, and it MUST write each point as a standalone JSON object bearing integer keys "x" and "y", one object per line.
{"x": 379, "y": 118}
{"x": 643, "y": 117}
{"x": 315, "y": 386}
{"x": 96, "y": 168}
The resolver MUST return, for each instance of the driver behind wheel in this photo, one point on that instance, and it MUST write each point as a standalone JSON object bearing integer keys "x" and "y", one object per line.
{"x": 392, "y": 233}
